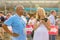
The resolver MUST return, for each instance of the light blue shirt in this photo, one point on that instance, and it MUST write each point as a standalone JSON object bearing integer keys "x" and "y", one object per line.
{"x": 18, "y": 26}
{"x": 52, "y": 19}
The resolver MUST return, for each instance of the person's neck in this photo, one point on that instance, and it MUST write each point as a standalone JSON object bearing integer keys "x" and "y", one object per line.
{"x": 19, "y": 15}
{"x": 42, "y": 17}
{"x": 52, "y": 14}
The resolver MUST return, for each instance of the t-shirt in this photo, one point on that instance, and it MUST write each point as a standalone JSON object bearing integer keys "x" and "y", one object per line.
{"x": 18, "y": 25}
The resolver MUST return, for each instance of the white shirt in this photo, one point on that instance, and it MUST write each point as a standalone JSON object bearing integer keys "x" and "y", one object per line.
{"x": 52, "y": 19}
{"x": 25, "y": 20}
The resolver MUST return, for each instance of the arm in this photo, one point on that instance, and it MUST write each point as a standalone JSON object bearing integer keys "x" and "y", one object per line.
{"x": 8, "y": 31}
{"x": 8, "y": 23}
{"x": 37, "y": 24}
{"x": 47, "y": 24}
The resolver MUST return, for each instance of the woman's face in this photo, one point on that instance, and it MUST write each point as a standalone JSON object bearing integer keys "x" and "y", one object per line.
{"x": 40, "y": 12}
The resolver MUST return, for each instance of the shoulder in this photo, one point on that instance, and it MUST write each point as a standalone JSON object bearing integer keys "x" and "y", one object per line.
{"x": 51, "y": 17}
{"x": 13, "y": 16}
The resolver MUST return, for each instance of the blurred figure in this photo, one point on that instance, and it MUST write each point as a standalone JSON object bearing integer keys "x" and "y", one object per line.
{"x": 41, "y": 28}
{"x": 58, "y": 23}
{"x": 9, "y": 14}
{"x": 2, "y": 19}
{"x": 53, "y": 22}
{"x": 30, "y": 26}
{"x": 52, "y": 17}
{"x": 27, "y": 17}
{"x": 32, "y": 20}
{"x": 17, "y": 24}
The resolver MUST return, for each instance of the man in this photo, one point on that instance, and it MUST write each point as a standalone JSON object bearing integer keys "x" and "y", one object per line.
{"x": 17, "y": 24}
{"x": 52, "y": 21}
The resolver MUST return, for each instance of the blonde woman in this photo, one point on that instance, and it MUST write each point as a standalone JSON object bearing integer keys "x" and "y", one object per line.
{"x": 41, "y": 29}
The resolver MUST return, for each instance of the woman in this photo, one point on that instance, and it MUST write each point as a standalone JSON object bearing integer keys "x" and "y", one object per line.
{"x": 41, "y": 28}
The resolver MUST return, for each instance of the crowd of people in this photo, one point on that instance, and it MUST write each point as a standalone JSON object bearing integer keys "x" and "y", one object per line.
{"x": 37, "y": 26}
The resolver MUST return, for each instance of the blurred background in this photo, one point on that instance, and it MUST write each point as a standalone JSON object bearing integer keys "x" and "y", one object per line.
{"x": 30, "y": 6}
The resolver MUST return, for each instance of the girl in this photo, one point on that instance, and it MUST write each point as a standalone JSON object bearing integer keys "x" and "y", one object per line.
{"x": 41, "y": 28}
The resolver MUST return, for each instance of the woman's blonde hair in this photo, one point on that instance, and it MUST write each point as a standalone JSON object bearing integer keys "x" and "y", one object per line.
{"x": 41, "y": 9}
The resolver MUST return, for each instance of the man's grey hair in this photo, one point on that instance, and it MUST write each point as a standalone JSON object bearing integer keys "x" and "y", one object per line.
{"x": 18, "y": 6}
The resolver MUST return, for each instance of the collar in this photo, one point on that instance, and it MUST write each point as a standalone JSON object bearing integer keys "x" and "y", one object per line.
{"x": 17, "y": 15}
{"x": 52, "y": 15}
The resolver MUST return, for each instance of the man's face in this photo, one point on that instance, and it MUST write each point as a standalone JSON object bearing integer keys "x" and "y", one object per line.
{"x": 20, "y": 10}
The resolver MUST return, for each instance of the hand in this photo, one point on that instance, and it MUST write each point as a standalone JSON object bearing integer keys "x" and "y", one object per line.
{"x": 15, "y": 35}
